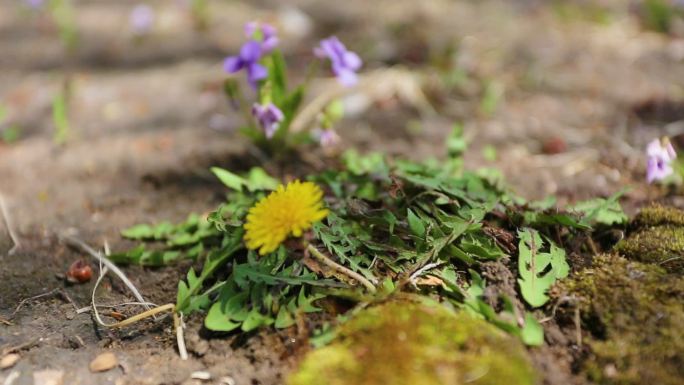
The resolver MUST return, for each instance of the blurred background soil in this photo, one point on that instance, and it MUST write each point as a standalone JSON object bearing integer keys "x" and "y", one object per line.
{"x": 560, "y": 96}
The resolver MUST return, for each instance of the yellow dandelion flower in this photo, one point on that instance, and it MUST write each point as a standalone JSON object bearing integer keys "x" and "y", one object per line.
{"x": 288, "y": 210}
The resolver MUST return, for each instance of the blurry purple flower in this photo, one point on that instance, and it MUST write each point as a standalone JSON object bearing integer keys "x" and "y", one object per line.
{"x": 141, "y": 19}
{"x": 344, "y": 63}
{"x": 35, "y": 4}
{"x": 269, "y": 117}
{"x": 660, "y": 155}
{"x": 262, "y": 33}
{"x": 326, "y": 137}
{"x": 249, "y": 56}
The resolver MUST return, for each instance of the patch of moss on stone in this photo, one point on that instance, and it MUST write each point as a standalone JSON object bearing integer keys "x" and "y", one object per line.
{"x": 658, "y": 238}
{"x": 635, "y": 312}
{"x": 657, "y": 215}
{"x": 662, "y": 245}
{"x": 409, "y": 343}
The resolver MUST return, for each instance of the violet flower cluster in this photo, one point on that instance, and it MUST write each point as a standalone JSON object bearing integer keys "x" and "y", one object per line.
{"x": 262, "y": 40}
{"x": 35, "y": 4}
{"x": 141, "y": 19}
{"x": 269, "y": 117}
{"x": 660, "y": 155}
{"x": 344, "y": 63}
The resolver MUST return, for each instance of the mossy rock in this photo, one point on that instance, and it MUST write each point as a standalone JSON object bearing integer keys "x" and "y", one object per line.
{"x": 410, "y": 343}
{"x": 635, "y": 312}
{"x": 658, "y": 238}
{"x": 658, "y": 215}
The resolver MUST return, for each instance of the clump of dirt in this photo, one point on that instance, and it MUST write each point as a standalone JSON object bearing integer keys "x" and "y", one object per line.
{"x": 412, "y": 343}
{"x": 633, "y": 312}
{"x": 658, "y": 237}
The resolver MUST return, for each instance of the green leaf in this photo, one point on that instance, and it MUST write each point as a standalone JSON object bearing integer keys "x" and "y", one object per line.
{"x": 277, "y": 77}
{"x": 231, "y": 88}
{"x": 532, "y": 333}
{"x": 292, "y": 103}
{"x": 284, "y": 318}
{"x": 216, "y": 320}
{"x": 10, "y": 134}
{"x": 258, "y": 179}
{"x": 60, "y": 118}
{"x": 533, "y": 264}
{"x": 229, "y": 179}
{"x": 144, "y": 231}
{"x": 415, "y": 224}
{"x": 215, "y": 259}
{"x": 456, "y": 143}
{"x": 602, "y": 211}
{"x": 254, "y": 320}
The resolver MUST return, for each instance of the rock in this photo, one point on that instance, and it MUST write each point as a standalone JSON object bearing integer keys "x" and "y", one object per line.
{"x": 411, "y": 343}
{"x": 9, "y": 360}
{"x": 657, "y": 237}
{"x": 48, "y": 377}
{"x": 201, "y": 375}
{"x": 554, "y": 145}
{"x": 104, "y": 362}
{"x": 633, "y": 314}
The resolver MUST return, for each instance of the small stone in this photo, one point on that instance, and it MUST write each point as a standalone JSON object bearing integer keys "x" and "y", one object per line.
{"x": 48, "y": 377}
{"x": 227, "y": 380}
{"x": 9, "y": 360}
{"x": 554, "y": 145}
{"x": 103, "y": 362}
{"x": 201, "y": 375}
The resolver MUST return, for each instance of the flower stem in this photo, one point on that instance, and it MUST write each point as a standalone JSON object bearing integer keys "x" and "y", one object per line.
{"x": 339, "y": 268}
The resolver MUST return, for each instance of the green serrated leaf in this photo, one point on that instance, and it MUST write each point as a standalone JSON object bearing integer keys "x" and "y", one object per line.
{"x": 534, "y": 281}
{"x": 216, "y": 320}
{"x": 284, "y": 319}
{"x": 254, "y": 320}
{"x": 602, "y": 211}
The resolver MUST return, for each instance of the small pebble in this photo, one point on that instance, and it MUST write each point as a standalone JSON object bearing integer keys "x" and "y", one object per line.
{"x": 201, "y": 375}
{"x": 9, "y": 360}
{"x": 103, "y": 362}
{"x": 554, "y": 145}
{"x": 48, "y": 377}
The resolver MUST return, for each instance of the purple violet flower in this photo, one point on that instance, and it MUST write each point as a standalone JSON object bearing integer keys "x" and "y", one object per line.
{"x": 660, "y": 155}
{"x": 344, "y": 63}
{"x": 262, "y": 41}
{"x": 326, "y": 137}
{"x": 264, "y": 34}
{"x": 141, "y": 19}
{"x": 269, "y": 117}
{"x": 35, "y": 4}
{"x": 249, "y": 56}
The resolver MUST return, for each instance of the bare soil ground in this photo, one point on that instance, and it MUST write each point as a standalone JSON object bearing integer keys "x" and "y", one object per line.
{"x": 148, "y": 119}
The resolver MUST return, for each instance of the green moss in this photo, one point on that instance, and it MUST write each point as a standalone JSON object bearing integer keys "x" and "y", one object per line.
{"x": 657, "y": 215}
{"x": 662, "y": 245}
{"x": 635, "y": 313}
{"x": 658, "y": 238}
{"x": 408, "y": 343}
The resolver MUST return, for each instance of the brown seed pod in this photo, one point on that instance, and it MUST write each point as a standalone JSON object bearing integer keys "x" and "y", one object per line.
{"x": 79, "y": 272}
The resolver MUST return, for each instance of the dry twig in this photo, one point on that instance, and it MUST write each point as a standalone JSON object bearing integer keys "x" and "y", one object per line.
{"x": 339, "y": 268}
{"x": 8, "y": 223}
